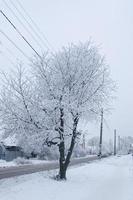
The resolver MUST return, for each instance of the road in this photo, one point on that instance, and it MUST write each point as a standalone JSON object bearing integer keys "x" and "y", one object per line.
{"x": 28, "y": 169}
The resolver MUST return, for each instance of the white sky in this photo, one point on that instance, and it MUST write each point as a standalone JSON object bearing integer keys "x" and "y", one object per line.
{"x": 109, "y": 23}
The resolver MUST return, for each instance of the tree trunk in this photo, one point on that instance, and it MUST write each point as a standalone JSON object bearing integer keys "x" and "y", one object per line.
{"x": 65, "y": 162}
{"x": 74, "y": 135}
{"x": 62, "y": 170}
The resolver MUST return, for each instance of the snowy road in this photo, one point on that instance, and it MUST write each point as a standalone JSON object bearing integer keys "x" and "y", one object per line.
{"x": 28, "y": 169}
{"x": 107, "y": 179}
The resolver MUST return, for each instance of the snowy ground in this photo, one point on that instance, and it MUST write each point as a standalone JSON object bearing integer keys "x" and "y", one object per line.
{"x": 108, "y": 179}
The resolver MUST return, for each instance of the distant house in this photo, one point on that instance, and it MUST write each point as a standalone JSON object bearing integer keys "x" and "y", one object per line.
{"x": 11, "y": 152}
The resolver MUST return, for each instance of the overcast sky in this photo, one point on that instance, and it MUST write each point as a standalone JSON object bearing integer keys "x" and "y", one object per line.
{"x": 108, "y": 22}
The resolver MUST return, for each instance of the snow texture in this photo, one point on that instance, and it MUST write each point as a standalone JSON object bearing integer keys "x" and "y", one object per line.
{"x": 107, "y": 179}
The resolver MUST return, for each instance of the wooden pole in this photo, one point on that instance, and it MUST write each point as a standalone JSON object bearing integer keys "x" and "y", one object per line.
{"x": 101, "y": 134}
{"x": 114, "y": 142}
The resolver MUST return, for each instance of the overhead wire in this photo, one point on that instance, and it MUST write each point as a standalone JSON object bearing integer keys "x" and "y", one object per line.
{"x": 35, "y": 25}
{"x": 30, "y": 26}
{"x": 17, "y": 30}
{"x": 24, "y": 26}
{"x": 105, "y": 121}
{"x": 13, "y": 43}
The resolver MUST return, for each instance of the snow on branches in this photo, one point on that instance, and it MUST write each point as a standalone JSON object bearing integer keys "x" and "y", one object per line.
{"x": 44, "y": 107}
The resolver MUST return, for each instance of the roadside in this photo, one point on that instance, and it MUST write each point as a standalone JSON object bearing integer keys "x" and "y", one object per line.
{"x": 11, "y": 171}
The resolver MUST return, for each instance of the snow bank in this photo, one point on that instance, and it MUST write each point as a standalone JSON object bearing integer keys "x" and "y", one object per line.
{"x": 4, "y": 163}
{"x": 21, "y": 161}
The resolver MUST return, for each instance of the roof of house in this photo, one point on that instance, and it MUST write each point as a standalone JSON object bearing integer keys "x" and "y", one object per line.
{"x": 9, "y": 141}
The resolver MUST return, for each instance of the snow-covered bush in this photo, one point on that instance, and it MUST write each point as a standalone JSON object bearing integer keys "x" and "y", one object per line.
{"x": 22, "y": 161}
{"x": 125, "y": 145}
{"x": 79, "y": 151}
{"x": 93, "y": 144}
{"x": 49, "y": 153}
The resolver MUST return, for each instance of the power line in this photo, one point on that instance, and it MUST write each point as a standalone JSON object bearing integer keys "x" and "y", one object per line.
{"x": 22, "y": 23}
{"x": 104, "y": 120}
{"x": 25, "y": 19}
{"x": 35, "y": 25}
{"x": 17, "y": 30}
{"x": 13, "y": 43}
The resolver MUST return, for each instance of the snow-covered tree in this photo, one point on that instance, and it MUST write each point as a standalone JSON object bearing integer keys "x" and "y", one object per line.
{"x": 19, "y": 114}
{"x": 74, "y": 85}
{"x": 63, "y": 88}
{"x": 125, "y": 145}
{"x": 93, "y": 143}
{"x": 107, "y": 147}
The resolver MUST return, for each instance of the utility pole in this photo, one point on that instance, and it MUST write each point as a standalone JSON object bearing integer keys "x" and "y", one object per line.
{"x": 83, "y": 141}
{"x": 101, "y": 134}
{"x": 111, "y": 146}
{"x": 119, "y": 143}
{"x": 114, "y": 142}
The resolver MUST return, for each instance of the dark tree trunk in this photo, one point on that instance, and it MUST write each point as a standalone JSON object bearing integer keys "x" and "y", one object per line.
{"x": 62, "y": 171}
{"x": 74, "y": 135}
{"x": 65, "y": 162}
